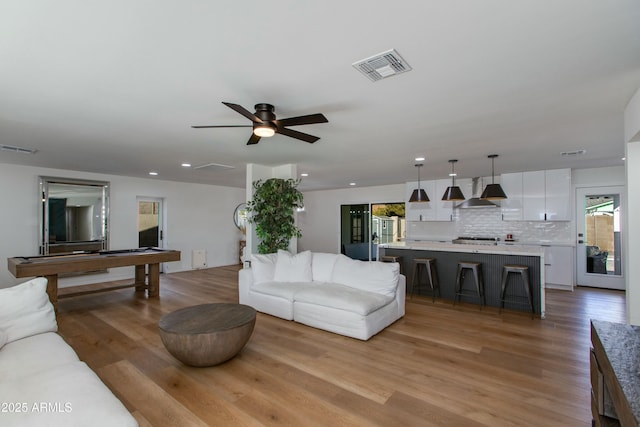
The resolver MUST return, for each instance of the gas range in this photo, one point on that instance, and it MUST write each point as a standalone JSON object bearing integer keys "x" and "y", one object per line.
{"x": 476, "y": 240}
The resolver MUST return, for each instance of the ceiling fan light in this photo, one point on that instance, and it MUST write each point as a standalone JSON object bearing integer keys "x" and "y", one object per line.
{"x": 453, "y": 193}
{"x": 264, "y": 131}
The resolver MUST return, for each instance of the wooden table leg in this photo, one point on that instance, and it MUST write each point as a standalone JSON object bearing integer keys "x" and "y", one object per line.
{"x": 140, "y": 281}
{"x": 154, "y": 280}
{"x": 52, "y": 287}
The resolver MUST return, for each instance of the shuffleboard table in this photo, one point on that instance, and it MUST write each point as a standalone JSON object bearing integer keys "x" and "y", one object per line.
{"x": 50, "y": 266}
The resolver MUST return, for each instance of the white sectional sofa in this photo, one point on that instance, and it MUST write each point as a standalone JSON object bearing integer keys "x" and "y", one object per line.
{"x": 42, "y": 381}
{"x": 327, "y": 291}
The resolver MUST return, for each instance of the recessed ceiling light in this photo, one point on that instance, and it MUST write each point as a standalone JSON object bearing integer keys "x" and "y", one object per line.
{"x": 304, "y": 174}
{"x": 419, "y": 159}
{"x": 624, "y": 158}
{"x": 153, "y": 173}
{"x": 352, "y": 183}
{"x": 186, "y": 165}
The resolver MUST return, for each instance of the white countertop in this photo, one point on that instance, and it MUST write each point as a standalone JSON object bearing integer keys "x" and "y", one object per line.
{"x": 500, "y": 242}
{"x": 536, "y": 243}
{"x": 511, "y": 249}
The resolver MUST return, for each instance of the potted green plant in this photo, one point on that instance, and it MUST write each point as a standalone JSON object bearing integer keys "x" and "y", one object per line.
{"x": 272, "y": 211}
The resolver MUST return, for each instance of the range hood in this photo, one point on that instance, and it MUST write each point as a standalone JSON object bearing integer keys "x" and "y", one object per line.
{"x": 475, "y": 202}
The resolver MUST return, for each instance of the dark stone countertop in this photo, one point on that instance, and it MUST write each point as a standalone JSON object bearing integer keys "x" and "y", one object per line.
{"x": 621, "y": 342}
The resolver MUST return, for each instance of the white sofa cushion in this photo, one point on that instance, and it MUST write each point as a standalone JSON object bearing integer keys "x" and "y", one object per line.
{"x": 322, "y": 266}
{"x": 286, "y": 290}
{"x": 293, "y": 268}
{"x": 343, "y": 298}
{"x": 263, "y": 267}
{"x": 72, "y": 395}
{"x": 31, "y": 355}
{"x": 371, "y": 276}
{"x": 25, "y": 310}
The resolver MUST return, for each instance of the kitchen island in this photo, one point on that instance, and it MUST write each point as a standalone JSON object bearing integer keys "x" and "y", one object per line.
{"x": 492, "y": 257}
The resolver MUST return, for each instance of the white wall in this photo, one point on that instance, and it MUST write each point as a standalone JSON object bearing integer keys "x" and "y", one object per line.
{"x": 632, "y": 119}
{"x": 320, "y": 221}
{"x": 598, "y": 177}
{"x": 197, "y": 217}
{"x": 632, "y": 242}
{"x": 632, "y": 139}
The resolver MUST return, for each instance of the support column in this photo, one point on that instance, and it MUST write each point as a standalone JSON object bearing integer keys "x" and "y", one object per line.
{"x": 632, "y": 218}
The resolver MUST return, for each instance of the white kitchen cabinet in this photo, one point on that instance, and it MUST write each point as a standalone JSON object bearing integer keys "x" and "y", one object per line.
{"x": 444, "y": 209}
{"x": 559, "y": 267}
{"x": 533, "y": 203}
{"x": 512, "y": 209}
{"x": 546, "y": 195}
{"x": 558, "y": 195}
{"x": 435, "y": 209}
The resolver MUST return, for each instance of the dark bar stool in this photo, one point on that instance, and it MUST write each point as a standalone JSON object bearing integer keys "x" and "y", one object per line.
{"x": 523, "y": 270}
{"x": 393, "y": 258}
{"x": 476, "y": 269}
{"x": 429, "y": 264}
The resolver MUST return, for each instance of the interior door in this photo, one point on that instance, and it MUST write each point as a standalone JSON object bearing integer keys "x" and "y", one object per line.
{"x": 599, "y": 248}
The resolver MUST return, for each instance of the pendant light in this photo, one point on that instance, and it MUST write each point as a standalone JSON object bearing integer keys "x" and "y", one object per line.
{"x": 453, "y": 193}
{"x": 419, "y": 195}
{"x": 493, "y": 191}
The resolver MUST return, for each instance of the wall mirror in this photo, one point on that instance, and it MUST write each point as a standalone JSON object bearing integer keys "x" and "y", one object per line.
{"x": 74, "y": 215}
{"x": 240, "y": 217}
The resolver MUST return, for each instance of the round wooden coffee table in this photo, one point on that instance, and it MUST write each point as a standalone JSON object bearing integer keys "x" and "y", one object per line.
{"x": 207, "y": 334}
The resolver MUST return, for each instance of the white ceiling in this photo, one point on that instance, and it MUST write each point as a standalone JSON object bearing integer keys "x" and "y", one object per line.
{"x": 114, "y": 86}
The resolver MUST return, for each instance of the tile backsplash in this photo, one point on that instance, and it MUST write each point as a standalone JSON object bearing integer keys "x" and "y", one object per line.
{"x": 488, "y": 223}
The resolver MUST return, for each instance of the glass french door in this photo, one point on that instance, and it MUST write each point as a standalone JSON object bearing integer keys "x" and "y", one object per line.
{"x": 599, "y": 231}
{"x": 364, "y": 226}
{"x": 355, "y": 239}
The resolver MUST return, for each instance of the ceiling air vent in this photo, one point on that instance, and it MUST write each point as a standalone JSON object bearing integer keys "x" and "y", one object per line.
{"x": 382, "y": 65}
{"x": 17, "y": 149}
{"x": 573, "y": 153}
{"x": 213, "y": 167}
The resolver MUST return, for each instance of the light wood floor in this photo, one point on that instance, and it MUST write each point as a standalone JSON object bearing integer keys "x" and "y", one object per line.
{"x": 438, "y": 366}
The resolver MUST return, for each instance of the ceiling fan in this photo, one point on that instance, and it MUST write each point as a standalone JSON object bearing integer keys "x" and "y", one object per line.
{"x": 265, "y": 123}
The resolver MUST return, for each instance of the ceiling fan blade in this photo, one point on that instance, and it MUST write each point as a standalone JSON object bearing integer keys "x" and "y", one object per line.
{"x": 240, "y": 109}
{"x": 303, "y": 120}
{"x": 223, "y": 126}
{"x": 254, "y": 139}
{"x": 298, "y": 135}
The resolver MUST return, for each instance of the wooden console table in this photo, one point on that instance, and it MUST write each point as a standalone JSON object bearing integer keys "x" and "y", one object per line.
{"x": 50, "y": 266}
